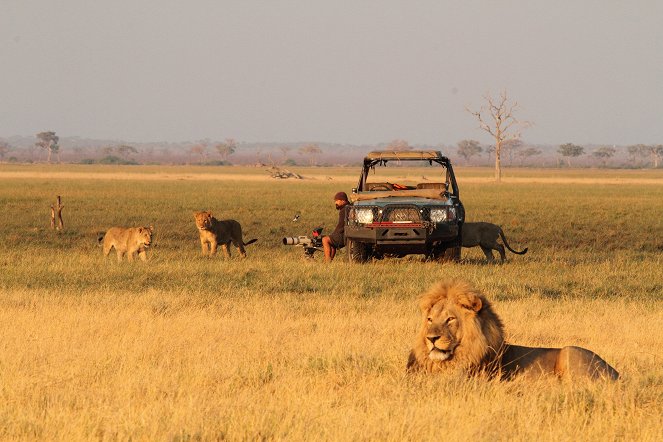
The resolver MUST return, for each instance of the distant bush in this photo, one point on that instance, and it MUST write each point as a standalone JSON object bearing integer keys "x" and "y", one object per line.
{"x": 87, "y": 161}
{"x": 216, "y": 163}
{"x": 12, "y": 160}
{"x": 290, "y": 162}
{"x": 112, "y": 159}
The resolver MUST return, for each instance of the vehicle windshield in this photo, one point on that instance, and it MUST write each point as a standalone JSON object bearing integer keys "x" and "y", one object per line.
{"x": 405, "y": 175}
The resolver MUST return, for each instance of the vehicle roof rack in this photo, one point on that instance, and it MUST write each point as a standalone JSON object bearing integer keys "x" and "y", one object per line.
{"x": 405, "y": 155}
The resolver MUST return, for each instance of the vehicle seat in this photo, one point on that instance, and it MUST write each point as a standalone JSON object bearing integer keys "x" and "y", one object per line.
{"x": 379, "y": 186}
{"x": 441, "y": 186}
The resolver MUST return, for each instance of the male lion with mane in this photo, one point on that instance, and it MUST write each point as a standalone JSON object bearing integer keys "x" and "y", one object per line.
{"x": 127, "y": 241}
{"x": 485, "y": 236}
{"x": 214, "y": 232}
{"x": 460, "y": 331}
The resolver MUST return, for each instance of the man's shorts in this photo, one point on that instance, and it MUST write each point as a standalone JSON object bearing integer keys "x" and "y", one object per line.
{"x": 337, "y": 240}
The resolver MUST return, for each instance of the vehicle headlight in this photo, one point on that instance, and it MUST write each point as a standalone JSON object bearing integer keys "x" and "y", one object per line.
{"x": 442, "y": 214}
{"x": 438, "y": 215}
{"x": 364, "y": 216}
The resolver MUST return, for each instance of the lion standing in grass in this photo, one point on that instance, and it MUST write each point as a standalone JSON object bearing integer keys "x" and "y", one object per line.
{"x": 214, "y": 232}
{"x": 127, "y": 241}
{"x": 485, "y": 235}
{"x": 460, "y": 331}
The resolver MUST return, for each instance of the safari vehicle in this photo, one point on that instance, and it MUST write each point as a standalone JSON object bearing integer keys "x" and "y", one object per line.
{"x": 406, "y": 202}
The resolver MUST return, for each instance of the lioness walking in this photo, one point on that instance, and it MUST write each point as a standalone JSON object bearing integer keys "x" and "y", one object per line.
{"x": 485, "y": 236}
{"x": 127, "y": 241}
{"x": 214, "y": 232}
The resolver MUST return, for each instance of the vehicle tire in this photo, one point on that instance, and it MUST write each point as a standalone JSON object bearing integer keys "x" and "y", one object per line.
{"x": 452, "y": 254}
{"x": 357, "y": 251}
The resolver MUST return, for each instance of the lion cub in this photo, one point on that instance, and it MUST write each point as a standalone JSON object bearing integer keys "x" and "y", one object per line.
{"x": 127, "y": 241}
{"x": 214, "y": 232}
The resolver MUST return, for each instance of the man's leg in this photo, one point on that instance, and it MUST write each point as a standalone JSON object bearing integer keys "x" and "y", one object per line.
{"x": 329, "y": 249}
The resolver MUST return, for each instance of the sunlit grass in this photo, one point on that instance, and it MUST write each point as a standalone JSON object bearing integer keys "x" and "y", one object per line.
{"x": 275, "y": 347}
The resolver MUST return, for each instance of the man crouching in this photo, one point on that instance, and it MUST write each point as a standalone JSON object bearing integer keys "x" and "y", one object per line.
{"x": 336, "y": 239}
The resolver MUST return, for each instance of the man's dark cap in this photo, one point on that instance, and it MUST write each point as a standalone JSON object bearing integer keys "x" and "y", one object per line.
{"x": 341, "y": 196}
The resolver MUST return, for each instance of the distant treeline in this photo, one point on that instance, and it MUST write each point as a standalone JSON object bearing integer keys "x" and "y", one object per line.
{"x": 230, "y": 152}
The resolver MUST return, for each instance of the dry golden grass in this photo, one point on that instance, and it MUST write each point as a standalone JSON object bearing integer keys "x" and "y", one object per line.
{"x": 272, "y": 347}
{"x": 166, "y": 366}
{"x": 335, "y": 174}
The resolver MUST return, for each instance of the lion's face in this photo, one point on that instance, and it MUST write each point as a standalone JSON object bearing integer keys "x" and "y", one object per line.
{"x": 145, "y": 236}
{"x": 442, "y": 330}
{"x": 203, "y": 220}
{"x": 458, "y": 328}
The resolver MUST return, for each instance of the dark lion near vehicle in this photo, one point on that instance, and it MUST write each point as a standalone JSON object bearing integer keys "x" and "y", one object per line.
{"x": 214, "y": 232}
{"x": 460, "y": 331}
{"x": 485, "y": 235}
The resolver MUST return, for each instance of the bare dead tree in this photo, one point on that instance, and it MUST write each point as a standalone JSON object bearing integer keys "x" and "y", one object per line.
{"x": 56, "y": 212}
{"x": 504, "y": 125}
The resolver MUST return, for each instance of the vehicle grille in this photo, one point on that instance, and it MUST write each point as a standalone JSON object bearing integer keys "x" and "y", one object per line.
{"x": 401, "y": 215}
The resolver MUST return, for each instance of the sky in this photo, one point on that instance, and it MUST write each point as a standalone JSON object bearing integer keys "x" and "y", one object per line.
{"x": 356, "y": 72}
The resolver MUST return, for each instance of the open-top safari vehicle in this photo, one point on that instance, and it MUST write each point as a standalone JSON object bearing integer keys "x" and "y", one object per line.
{"x": 406, "y": 202}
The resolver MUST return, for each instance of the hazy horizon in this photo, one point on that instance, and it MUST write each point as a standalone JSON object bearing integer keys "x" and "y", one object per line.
{"x": 343, "y": 72}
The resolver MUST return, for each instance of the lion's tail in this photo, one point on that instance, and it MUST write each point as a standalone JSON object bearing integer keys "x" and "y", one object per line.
{"x": 251, "y": 241}
{"x": 522, "y": 252}
{"x": 100, "y": 238}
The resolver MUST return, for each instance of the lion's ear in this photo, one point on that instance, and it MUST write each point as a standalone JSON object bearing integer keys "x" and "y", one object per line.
{"x": 151, "y": 229}
{"x": 470, "y": 301}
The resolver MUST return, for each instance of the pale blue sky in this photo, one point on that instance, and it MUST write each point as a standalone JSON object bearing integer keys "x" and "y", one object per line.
{"x": 330, "y": 71}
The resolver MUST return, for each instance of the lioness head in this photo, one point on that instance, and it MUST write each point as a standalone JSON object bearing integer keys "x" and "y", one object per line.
{"x": 145, "y": 235}
{"x": 203, "y": 220}
{"x": 458, "y": 327}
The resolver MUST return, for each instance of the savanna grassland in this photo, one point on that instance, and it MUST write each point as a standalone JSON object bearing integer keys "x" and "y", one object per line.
{"x": 275, "y": 347}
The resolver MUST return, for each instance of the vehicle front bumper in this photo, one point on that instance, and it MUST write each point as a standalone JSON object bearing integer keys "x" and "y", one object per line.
{"x": 417, "y": 237}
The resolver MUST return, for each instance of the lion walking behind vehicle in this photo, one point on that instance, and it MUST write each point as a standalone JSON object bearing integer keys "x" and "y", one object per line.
{"x": 460, "y": 331}
{"x": 127, "y": 241}
{"x": 485, "y": 235}
{"x": 214, "y": 232}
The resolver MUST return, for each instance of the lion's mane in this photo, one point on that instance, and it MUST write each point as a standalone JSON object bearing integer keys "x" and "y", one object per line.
{"x": 480, "y": 329}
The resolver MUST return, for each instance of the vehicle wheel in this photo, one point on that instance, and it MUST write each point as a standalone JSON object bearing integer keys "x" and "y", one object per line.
{"x": 357, "y": 251}
{"x": 452, "y": 254}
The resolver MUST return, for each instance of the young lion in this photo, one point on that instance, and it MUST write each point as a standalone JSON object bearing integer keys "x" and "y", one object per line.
{"x": 129, "y": 241}
{"x": 485, "y": 235}
{"x": 214, "y": 232}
